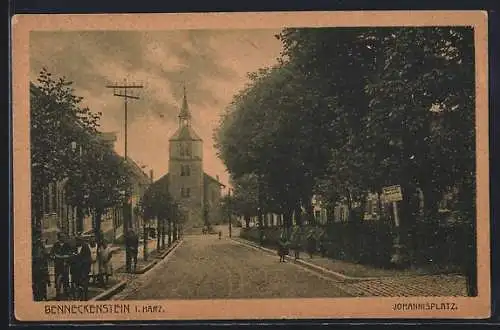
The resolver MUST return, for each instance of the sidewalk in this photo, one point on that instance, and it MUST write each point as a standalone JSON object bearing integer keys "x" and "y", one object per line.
{"x": 119, "y": 257}
{"x": 360, "y": 280}
{"x": 119, "y": 277}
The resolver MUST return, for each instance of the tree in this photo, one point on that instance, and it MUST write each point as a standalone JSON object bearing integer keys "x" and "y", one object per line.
{"x": 245, "y": 197}
{"x": 99, "y": 182}
{"x": 57, "y": 120}
{"x": 158, "y": 204}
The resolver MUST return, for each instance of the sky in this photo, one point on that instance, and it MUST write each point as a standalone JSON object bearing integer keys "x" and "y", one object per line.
{"x": 212, "y": 64}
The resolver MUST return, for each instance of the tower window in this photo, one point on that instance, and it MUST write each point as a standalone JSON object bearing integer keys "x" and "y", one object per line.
{"x": 185, "y": 149}
{"x": 185, "y": 170}
{"x": 185, "y": 192}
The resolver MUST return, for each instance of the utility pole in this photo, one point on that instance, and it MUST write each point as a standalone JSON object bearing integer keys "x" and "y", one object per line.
{"x": 122, "y": 90}
{"x": 229, "y": 212}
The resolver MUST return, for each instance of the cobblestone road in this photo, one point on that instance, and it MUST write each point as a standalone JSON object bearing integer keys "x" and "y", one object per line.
{"x": 204, "y": 267}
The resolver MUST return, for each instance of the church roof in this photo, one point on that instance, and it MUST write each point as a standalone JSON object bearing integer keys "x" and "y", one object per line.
{"x": 210, "y": 178}
{"x": 184, "y": 133}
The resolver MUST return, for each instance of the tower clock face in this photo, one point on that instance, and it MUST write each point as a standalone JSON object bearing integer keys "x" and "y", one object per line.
{"x": 185, "y": 121}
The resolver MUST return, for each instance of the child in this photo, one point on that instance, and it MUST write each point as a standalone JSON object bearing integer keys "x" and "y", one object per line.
{"x": 105, "y": 265}
{"x": 94, "y": 268}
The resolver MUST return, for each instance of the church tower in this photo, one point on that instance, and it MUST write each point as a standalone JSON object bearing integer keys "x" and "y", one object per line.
{"x": 186, "y": 168}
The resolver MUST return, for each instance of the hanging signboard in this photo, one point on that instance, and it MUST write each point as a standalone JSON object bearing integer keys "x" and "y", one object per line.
{"x": 393, "y": 193}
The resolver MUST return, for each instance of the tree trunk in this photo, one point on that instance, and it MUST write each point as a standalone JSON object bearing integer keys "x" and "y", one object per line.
{"x": 97, "y": 224}
{"x": 162, "y": 233}
{"x": 169, "y": 231}
{"x": 247, "y": 221}
{"x": 174, "y": 231}
{"x": 158, "y": 234}
{"x": 37, "y": 214}
{"x": 298, "y": 215}
{"x": 79, "y": 219}
{"x": 287, "y": 221}
{"x": 309, "y": 212}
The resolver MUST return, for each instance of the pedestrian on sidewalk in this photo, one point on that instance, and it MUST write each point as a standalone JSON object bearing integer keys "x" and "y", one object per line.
{"x": 82, "y": 265}
{"x": 132, "y": 247}
{"x": 283, "y": 247}
{"x": 61, "y": 253}
{"x": 105, "y": 264}
{"x": 220, "y": 234}
{"x": 311, "y": 243}
{"x": 94, "y": 268}
{"x": 296, "y": 242}
{"x": 40, "y": 271}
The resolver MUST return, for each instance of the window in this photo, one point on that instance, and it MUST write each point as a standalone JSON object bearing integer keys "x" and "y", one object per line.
{"x": 185, "y": 170}
{"x": 185, "y": 192}
{"x": 185, "y": 149}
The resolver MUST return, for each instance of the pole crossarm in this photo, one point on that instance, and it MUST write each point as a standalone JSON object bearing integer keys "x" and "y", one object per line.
{"x": 126, "y": 96}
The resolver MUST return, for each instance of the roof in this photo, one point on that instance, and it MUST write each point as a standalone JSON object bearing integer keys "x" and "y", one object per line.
{"x": 184, "y": 133}
{"x": 210, "y": 178}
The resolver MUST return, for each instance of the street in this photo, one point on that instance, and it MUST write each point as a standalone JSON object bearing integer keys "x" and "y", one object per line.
{"x": 204, "y": 267}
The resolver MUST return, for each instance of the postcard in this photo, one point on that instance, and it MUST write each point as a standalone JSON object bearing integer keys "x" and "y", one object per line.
{"x": 248, "y": 166}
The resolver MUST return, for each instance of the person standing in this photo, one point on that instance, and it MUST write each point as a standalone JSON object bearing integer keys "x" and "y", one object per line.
{"x": 60, "y": 253}
{"x": 40, "y": 271}
{"x": 105, "y": 264}
{"x": 132, "y": 247}
{"x": 296, "y": 243}
{"x": 311, "y": 243}
{"x": 94, "y": 268}
{"x": 283, "y": 247}
{"x": 83, "y": 261}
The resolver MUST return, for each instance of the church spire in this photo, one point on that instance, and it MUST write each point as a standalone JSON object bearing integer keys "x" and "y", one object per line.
{"x": 184, "y": 114}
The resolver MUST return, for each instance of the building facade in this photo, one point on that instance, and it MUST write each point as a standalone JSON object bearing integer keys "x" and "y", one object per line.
{"x": 59, "y": 216}
{"x": 197, "y": 193}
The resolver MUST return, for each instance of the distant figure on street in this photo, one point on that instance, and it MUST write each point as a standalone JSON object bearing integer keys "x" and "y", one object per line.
{"x": 283, "y": 247}
{"x": 132, "y": 247}
{"x": 40, "y": 271}
{"x": 311, "y": 243}
{"x": 105, "y": 265}
{"x": 220, "y": 234}
{"x": 61, "y": 253}
{"x": 82, "y": 266}
{"x": 296, "y": 242}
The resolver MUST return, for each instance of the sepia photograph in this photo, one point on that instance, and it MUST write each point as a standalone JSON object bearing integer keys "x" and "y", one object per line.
{"x": 270, "y": 161}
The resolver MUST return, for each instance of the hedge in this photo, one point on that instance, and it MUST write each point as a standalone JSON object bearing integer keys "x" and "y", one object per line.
{"x": 372, "y": 243}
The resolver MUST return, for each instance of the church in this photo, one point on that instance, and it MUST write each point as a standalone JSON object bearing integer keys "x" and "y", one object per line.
{"x": 198, "y": 193}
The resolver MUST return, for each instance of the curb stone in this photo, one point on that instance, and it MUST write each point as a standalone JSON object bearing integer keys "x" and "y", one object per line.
{"x": 165, "y": 253}
{"x": 120, "y": 286}
{"x": 144, "y": 269}
{"x": 111, "y": 291}
{"x": 322, "y": 270}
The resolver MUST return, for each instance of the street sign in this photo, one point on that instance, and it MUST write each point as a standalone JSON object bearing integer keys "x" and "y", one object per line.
{"x": 393, "y": 193}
